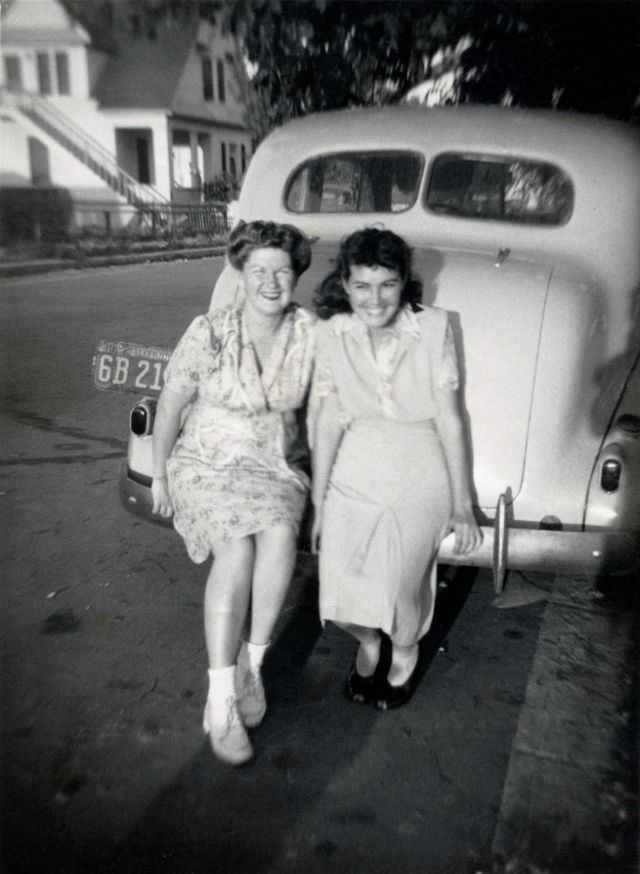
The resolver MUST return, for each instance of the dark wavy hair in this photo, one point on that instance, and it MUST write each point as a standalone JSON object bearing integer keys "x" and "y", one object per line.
{"x": 248, "y": 236}
{"x": 370, "y": 247}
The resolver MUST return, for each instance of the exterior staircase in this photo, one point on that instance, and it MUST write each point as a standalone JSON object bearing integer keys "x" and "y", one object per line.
{"x": 90, "y": 152}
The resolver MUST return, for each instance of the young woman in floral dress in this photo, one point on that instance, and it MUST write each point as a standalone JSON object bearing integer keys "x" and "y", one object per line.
{"x": 225, "y": 426}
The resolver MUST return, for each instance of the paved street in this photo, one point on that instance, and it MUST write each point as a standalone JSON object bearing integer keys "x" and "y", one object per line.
{"x": 105, "y": 768}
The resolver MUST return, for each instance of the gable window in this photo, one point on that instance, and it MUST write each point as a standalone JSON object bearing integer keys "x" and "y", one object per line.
{"x": 207, "y": 79}
{"x": 221, "y": 83}
{"x": 44, "y": 74}
{"x": 498, "y": 188}
{"x": 13, "y": 73}
{"x": 62, "y": 73}
{"x": 355, "y": 182}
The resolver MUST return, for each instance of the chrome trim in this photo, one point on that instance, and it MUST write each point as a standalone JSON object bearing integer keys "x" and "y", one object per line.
{"x": 531, "y": 549}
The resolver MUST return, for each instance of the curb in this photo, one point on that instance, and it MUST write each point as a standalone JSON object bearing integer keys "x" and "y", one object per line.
{"x": 47, "y": 265}
{"x": 570, "y": 800}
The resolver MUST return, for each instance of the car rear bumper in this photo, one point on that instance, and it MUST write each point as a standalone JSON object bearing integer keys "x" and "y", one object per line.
{"x": 135, "y": 495}
{"x": 531, "y": 549}
{"x": 503, "y": 548}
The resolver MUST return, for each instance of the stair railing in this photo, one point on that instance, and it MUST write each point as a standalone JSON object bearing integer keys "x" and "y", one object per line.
{"x": 92, "y": 153}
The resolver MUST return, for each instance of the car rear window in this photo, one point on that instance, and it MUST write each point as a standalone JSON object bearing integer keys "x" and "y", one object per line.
{"x": 498, "y": 188}
{"x": 356, "y": 182}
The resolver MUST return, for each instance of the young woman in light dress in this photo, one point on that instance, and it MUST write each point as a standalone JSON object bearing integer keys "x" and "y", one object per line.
{"x": 390, "y": 473}
{"x": 225, "y": 427}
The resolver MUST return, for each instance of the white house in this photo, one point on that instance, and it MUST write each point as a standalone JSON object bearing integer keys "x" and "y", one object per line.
{"x": 150, "y": 121}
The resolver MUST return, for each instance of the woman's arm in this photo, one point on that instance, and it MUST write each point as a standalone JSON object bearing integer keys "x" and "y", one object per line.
{"x": 325, "y": 442}
{"x": 451, "y": 430}
{"x": 166, "y": 428}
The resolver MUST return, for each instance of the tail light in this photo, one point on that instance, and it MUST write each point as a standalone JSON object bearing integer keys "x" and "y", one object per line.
{"x": 610, "y": 475}
{"x": 141, "y": 418}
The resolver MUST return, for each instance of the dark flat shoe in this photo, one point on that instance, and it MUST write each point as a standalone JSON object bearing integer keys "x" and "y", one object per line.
{"x": 361, "y": 689}
{"x": 389, "y": 697}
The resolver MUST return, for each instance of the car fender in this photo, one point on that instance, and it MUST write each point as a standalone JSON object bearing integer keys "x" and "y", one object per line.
{"x": 613, "y": 497}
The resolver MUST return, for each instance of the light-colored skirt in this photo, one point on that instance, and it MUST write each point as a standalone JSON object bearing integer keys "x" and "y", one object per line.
{"x": 387, "y": 508}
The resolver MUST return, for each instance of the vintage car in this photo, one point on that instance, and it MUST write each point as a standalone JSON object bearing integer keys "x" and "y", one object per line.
{"x": 525, "y": 227}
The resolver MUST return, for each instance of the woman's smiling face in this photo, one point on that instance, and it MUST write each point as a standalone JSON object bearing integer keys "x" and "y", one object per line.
{"x": 374, "y": 293}
{"x": 269, "y": 281}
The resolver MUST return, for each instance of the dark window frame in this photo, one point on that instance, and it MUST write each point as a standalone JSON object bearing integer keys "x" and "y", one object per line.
{"x": 43, "y": 67}
{"x": 208, "y": 92}
{"x": 63, "y": 78}
{"x": 465, "y": 198}
{"x": 13, "y": 72}
{"x": 222, "y": 87}
{"x": 362, "y": 157}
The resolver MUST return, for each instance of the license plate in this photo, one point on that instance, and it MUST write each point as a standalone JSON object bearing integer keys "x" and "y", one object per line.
{"x": 129, "y": 367}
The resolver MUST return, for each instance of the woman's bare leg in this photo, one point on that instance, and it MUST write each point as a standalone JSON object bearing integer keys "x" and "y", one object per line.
{"x": 369, "y": 650}
{"x": 404, "y": 658}
{"x": 275, "y": 555}
{"x": 275, "y": 560}
{"x": 226, "y": 600}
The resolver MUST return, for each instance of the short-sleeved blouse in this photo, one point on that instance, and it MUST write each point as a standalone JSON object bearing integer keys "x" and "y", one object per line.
{"x": 415, "y": 358}
{"x": 231, "y": 471}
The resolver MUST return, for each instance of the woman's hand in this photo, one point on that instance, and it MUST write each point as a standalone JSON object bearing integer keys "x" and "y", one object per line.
{"x": 468, "y": 535}
{"x": 162, "y": 505}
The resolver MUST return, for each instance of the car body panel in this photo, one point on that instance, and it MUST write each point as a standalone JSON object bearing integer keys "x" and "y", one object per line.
{"x": 545, "y": 315}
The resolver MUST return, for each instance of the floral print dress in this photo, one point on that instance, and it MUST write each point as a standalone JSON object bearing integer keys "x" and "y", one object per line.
{"x": 231, "y": 472}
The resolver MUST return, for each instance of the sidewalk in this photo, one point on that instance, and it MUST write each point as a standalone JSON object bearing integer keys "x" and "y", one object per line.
{"x": 570, "y": 800}
{"x": 10, "y": 268}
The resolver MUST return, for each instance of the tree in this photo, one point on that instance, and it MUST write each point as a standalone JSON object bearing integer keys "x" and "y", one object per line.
{"x": 312, "y": 55}
{"x": 325, "y": 54}
{"x": 580, "y": 55}
{"x": 303, "y": 56}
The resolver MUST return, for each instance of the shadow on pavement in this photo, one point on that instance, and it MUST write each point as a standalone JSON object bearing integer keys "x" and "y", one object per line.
{"x": 215, "y": 818}
{"x": 321, "y": 794}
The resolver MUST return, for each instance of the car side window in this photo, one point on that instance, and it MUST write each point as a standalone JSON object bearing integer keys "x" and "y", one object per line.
{"x": 503, "y": 189}
{"x": 355, "y": 182}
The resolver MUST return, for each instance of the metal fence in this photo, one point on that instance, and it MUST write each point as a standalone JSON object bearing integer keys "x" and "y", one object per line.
{"x": 51, "y": 221}
{"x": 165, "y": 221}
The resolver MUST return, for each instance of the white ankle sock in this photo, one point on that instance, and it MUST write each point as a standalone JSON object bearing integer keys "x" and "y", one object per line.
{"x": 255, "y": 654}
{"x": 368, "y": 655}
{"x": 221, "y": 688}
{"x": 403, "y": 662}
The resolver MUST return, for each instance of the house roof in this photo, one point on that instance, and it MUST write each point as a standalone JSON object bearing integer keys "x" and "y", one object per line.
{"x": 26, "y": 22}
{"x": 143, "y": 72}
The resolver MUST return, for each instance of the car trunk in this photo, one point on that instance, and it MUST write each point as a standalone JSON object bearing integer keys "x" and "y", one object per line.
{"x": 497, "y": 331}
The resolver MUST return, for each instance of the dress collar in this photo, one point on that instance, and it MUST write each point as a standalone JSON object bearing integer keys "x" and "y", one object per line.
{"x": 406, "y": 322}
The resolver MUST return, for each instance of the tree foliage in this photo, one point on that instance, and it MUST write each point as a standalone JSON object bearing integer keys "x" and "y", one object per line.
{"x": 583, "y": 56}
{"x": 310, "y": 55}
{"x": 324, "y": 54}
{"x": 303, "y": 56}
